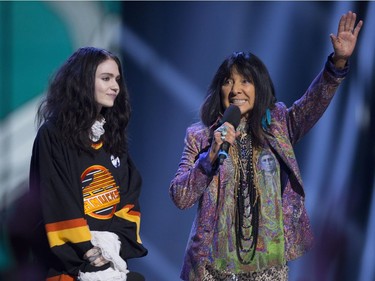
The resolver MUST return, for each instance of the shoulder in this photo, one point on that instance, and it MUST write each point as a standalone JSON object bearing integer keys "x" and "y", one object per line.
{"x": 197, "y": 135}
{"x": 197, "y": 131}
{"x": 48, "y": 127}
{"x": 280, "y": 106}
{"x": 279, "y": 118}
{"x": 48, "y": 133}
{"x": 279, "y": 111}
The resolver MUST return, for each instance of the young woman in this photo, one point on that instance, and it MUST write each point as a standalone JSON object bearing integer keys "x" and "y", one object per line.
{"x": 250, "y": 223}
{"x": 82, "y": 175}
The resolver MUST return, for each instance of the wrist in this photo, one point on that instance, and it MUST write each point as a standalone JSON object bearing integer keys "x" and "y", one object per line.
{"x": 205, "y": 164}
{"x": 339, "y": 62}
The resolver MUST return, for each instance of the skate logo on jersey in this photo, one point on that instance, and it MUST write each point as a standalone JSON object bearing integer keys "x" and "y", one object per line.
{"x": 100, "y": 192}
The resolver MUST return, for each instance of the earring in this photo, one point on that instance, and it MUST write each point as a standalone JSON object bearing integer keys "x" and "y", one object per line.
{"x": 266, "y": 119}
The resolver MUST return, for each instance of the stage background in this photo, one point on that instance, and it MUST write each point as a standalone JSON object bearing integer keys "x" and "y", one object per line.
{"x": 170, "y": 51}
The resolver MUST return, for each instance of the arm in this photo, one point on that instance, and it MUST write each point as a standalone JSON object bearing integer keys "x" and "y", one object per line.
{"x": 60, "y": 202}
{"x": 127, "y": 219}
{"x": 195, "y": 170}
{"x": 305, "y": 112}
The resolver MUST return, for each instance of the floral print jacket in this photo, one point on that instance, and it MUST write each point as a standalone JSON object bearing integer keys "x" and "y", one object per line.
{"x": 192, "y": 184}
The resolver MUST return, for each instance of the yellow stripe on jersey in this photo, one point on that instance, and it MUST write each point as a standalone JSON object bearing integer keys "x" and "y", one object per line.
{"x": 73, "y": 231}
{"x": 133, "y": 216}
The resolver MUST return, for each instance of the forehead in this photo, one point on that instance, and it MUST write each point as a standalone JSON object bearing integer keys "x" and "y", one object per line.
{"x": 266, "y": 156}
{"x": 108, "y": 66}
{"x": 235, "y": 71}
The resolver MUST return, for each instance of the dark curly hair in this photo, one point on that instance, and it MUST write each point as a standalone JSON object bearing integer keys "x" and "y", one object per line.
{"x": 251, "y": 67}
{"x": 70, "y": 103}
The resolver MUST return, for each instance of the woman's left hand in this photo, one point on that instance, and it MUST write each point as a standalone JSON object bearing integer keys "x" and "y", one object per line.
{"x": 345, "y": 41}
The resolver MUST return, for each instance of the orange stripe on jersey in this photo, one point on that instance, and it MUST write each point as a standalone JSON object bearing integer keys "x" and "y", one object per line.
{"x": 73, "y": 235}
{"x": 61, "y": 225}
{"x": 133, "y": 216}
{"x": 62, "y": 277}
{"x": 97, "y": 145}
{"x": 74, "y": 231}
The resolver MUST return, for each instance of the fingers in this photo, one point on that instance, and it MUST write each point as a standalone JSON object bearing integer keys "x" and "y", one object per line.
{"x": 344, "y": 41}
{"x": 92, "y": 253}
{"x": 357, "y": 28}
{"x": 347, "y": 23}
{"x": 99, "y": 261}
{"x": 351, "y": 20}
{"x": 333, "y": 38}
{"x": 342, "y": 24}
{"x": 94, "y": 256}
{"x": 225, "y": 132}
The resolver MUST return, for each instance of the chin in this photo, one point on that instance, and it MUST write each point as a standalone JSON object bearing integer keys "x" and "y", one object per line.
{"x": 245, "y": 113}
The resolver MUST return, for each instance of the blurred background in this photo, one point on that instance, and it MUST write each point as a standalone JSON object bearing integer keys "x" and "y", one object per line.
{"x": 170, "y": 51}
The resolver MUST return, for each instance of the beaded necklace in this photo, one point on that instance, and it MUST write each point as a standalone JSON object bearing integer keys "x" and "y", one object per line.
{"x": 247, "y": 209}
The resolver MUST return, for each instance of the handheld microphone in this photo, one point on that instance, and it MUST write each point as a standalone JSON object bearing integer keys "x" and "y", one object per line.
{"x": 231, "y": 115}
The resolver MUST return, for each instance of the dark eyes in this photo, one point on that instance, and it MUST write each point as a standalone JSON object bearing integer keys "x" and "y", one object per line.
{"x": 107, "y": 78}
{"x": 231, "y": 82}
{"x": 228, "y": 82}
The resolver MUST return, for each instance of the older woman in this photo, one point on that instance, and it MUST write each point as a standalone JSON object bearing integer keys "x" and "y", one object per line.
{"x": 248, "y": 227}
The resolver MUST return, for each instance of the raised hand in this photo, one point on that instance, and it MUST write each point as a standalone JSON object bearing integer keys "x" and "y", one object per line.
{"x": 345, "y": 41}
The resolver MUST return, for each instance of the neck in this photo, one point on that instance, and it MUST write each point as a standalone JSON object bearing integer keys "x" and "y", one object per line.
{"x": 243, "y": 126}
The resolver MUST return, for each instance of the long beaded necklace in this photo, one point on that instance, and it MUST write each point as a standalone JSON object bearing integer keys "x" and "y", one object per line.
{"x": 247, "y": 210}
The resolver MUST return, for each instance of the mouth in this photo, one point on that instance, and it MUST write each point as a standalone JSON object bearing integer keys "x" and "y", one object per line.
{"x": 112, "y": 95}
{"x": 238, "y": 102}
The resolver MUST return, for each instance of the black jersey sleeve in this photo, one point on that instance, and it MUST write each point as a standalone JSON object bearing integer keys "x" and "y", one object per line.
{"x": 52, "y": 181}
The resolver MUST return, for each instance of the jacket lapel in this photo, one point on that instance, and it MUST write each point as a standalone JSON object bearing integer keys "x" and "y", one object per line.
{"x": 282, "y": 147}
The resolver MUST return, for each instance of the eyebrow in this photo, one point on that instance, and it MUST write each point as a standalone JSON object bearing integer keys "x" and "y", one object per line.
{"x": 110, "y": 74}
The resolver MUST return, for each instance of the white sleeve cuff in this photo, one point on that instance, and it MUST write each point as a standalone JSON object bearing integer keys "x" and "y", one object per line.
{"x": 110, "y": 245}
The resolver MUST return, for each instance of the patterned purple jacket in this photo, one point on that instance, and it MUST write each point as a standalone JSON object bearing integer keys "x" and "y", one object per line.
{"x": 193, "y": 185}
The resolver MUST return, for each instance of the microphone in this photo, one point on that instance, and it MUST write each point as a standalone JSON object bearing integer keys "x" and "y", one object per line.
{"x": 231, "y": 115}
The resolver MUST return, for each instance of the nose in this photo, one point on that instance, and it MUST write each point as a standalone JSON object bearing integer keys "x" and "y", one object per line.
{"x": 236, "y": 88}
{"x": 115, "y": 87}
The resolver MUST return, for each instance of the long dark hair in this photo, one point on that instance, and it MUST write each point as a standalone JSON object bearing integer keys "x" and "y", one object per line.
{"x": 252, "y": 68}
{"x": 70, "y": 102}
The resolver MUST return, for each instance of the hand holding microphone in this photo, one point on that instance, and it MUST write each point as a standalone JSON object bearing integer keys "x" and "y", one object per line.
{"x": 225, "y": 134}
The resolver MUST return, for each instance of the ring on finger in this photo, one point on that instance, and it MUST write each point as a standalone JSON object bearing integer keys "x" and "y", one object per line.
{"x": 223, "y": 130}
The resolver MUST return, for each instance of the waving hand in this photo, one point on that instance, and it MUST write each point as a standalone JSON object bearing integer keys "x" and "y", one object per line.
{"x": 345, "y": 41}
